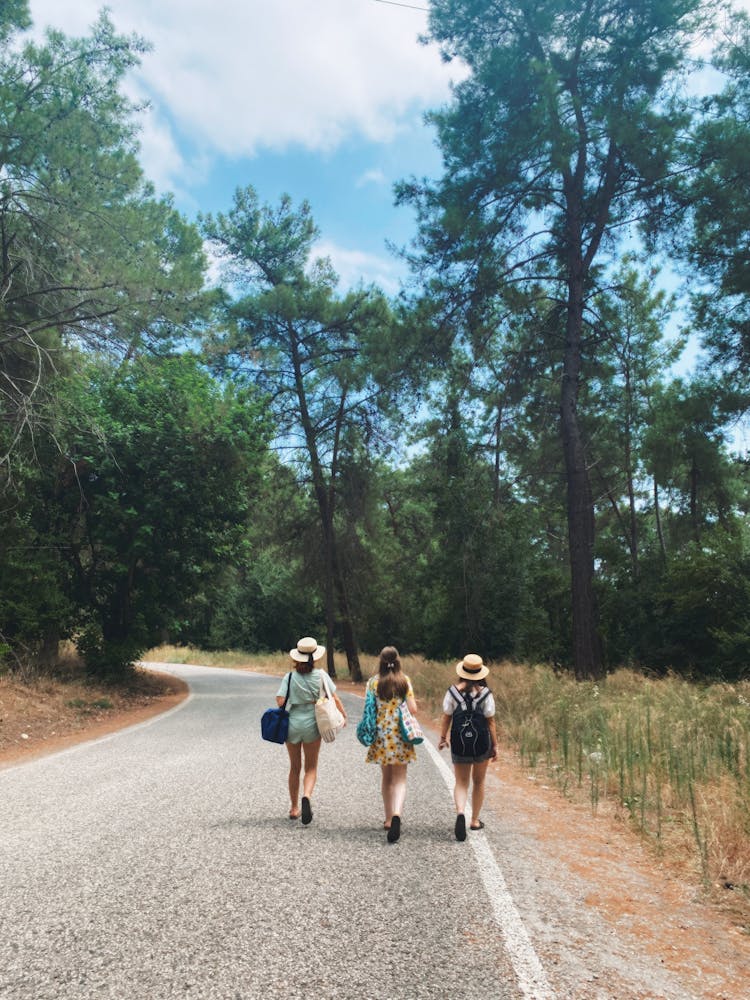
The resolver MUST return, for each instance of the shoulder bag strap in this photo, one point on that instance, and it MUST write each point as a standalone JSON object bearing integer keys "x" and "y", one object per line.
{"x": 288, "y": 689}
{"x": 324, "y": 686}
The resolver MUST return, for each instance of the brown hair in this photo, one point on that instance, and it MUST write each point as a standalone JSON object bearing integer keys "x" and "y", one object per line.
{"x": 306, "y": 666}
{"x": 392, "y": 682}
{"x": 473, "y": 688}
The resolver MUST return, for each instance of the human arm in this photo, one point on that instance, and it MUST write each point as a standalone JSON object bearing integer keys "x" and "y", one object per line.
{"x": 411, "y": 701}
{"x": 340, "y": 706}
{"x": 493, "y": 737}
{"x": 445, "y": 725}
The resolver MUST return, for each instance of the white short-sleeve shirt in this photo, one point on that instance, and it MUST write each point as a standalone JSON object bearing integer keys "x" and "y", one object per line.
{"x": 487, "y": 706}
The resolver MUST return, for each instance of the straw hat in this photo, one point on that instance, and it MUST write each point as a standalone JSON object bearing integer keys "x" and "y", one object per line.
{"x": 472, "y": 668}
{"x": 305, "y": 648}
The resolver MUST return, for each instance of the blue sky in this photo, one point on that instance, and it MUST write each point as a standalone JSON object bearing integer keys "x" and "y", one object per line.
{"x": 322, "y": 99}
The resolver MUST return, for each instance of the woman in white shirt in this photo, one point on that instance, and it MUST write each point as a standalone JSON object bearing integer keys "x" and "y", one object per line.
{"x": 469, "y": 714}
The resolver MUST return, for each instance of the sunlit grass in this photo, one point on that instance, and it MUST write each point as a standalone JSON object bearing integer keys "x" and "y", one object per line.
{"x": 670, "y": 756}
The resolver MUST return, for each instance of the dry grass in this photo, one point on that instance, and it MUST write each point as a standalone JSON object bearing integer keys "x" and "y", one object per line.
{"x": 670, "y": 757}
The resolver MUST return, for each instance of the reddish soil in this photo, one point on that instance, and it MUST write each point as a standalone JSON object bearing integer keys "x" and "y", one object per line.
{"x": 40, "y": 719}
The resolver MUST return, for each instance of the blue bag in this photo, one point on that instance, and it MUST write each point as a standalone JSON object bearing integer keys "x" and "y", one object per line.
{"x": 274, "y": 723}
{"x": 367, "y": 728}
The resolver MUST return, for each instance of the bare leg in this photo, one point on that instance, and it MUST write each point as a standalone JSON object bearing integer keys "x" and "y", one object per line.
{"x": 295, "y": 765}
{"x": 393, "y": 788}
{"x": 385, "y": 791}
{"x": 311, "y": 767}
{"x": 398, "y": 788}
{"x": 461, "y": 789}
{"x": 478, "y": 774}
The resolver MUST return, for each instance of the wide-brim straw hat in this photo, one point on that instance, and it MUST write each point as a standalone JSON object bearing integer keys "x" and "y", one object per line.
{"x": 472, "y": 668}
{"x": 305, "y": 647}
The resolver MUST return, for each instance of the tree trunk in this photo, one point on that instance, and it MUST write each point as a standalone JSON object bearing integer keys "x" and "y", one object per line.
{"x": 633, "y": 541}
{"x": 659, "y": 530}
{"x": 587, "y": 654}
{"x": 349, "y": 641}
{"x": 694, "y": 476}
{"x": 48, "y": 653}
{"x": 328, "y": 586}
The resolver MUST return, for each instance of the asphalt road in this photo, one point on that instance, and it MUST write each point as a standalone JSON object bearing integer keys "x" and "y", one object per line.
{"x": 159, "y": 863}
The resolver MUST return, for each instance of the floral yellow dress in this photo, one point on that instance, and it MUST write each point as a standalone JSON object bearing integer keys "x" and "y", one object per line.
{"x": 388, "y": 746}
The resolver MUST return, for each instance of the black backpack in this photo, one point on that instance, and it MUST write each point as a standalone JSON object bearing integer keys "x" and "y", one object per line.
{"x": 470, "y": 733}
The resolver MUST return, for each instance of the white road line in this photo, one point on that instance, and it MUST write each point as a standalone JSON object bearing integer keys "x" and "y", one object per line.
{"x": 532, "y": 980}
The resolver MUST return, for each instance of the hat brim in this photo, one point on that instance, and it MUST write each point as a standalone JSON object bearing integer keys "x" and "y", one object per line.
{"x": 303, "y": 657}
{"x": 477, "y": 675}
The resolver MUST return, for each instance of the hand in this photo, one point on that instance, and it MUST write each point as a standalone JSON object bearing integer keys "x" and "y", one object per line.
{"x": 494, "y": 752}
{"x": 443, "y": 742}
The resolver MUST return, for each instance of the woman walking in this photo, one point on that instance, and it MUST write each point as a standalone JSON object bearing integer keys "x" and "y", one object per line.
{"x": 469, "y": 714}
{"x": 303, "y": 685}
{"x": 390, "y": 687}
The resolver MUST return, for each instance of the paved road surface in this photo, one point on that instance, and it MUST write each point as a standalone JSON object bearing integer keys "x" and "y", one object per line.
{"x": 159, "y": 863}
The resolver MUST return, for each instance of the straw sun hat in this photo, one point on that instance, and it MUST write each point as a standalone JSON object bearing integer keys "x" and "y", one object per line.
{"x": 304, "y": 648}
{"x": 472, "y": 668}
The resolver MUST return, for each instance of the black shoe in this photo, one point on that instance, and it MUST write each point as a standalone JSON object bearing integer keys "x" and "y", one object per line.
{"x": 306, "y": 811}
{"x": 459, "y": 829}
{"x": 394, "y": 831}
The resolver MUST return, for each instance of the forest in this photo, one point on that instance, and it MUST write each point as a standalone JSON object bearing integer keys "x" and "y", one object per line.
{"x": 510, "y": 456}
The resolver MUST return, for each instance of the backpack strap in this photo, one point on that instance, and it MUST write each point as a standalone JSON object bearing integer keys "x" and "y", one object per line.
{"x": 482, "y": 698}
{"x": 455, "y": 695}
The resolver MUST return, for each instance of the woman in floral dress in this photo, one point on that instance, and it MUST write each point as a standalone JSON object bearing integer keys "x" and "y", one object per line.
{"x": 391, "y": 686}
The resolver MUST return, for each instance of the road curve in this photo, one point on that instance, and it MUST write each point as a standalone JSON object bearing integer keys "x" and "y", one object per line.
{"x": 159, "y": 863}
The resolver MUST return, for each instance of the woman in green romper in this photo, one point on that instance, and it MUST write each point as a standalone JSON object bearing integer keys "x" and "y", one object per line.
{"x": 303, "y": 739}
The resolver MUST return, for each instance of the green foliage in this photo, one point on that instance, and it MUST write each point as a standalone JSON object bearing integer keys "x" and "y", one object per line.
{"x": 719, "y": 198}
{"x": 161, "y": 496}
{"x": 142, "y": 511}
{"x": 88, "y": 254}
{"x": 420, "y": 495}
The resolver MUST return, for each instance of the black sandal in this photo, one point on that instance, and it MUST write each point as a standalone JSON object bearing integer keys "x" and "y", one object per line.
{"x": 460, "y": 828}
{"x": 394, "y": 830}
{"x": 306, "y": 811}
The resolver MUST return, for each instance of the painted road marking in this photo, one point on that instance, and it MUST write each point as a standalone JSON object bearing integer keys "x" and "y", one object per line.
{"x": 532, "y": 980}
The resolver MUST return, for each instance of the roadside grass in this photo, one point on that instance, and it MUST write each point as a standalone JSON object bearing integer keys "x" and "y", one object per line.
{"x": 669, "y": 756}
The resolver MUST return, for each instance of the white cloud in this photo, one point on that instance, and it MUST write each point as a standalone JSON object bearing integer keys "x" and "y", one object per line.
{"x": 356, "y": 267}
{"x": 374, "y": 176}
{"x": 243, "y": 75}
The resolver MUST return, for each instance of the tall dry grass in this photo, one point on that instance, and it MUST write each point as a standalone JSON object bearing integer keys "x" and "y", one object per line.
{"x": 670, "y": 756}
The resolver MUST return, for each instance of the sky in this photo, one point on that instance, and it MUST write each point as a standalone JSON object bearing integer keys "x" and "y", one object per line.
{"x": 321, "y": 99}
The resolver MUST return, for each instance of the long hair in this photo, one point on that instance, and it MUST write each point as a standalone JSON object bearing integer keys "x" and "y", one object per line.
{"x": 392, "y": 682}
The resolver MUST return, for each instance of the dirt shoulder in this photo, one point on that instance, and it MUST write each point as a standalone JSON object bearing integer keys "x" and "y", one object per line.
{"x": 48, "y": 715}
